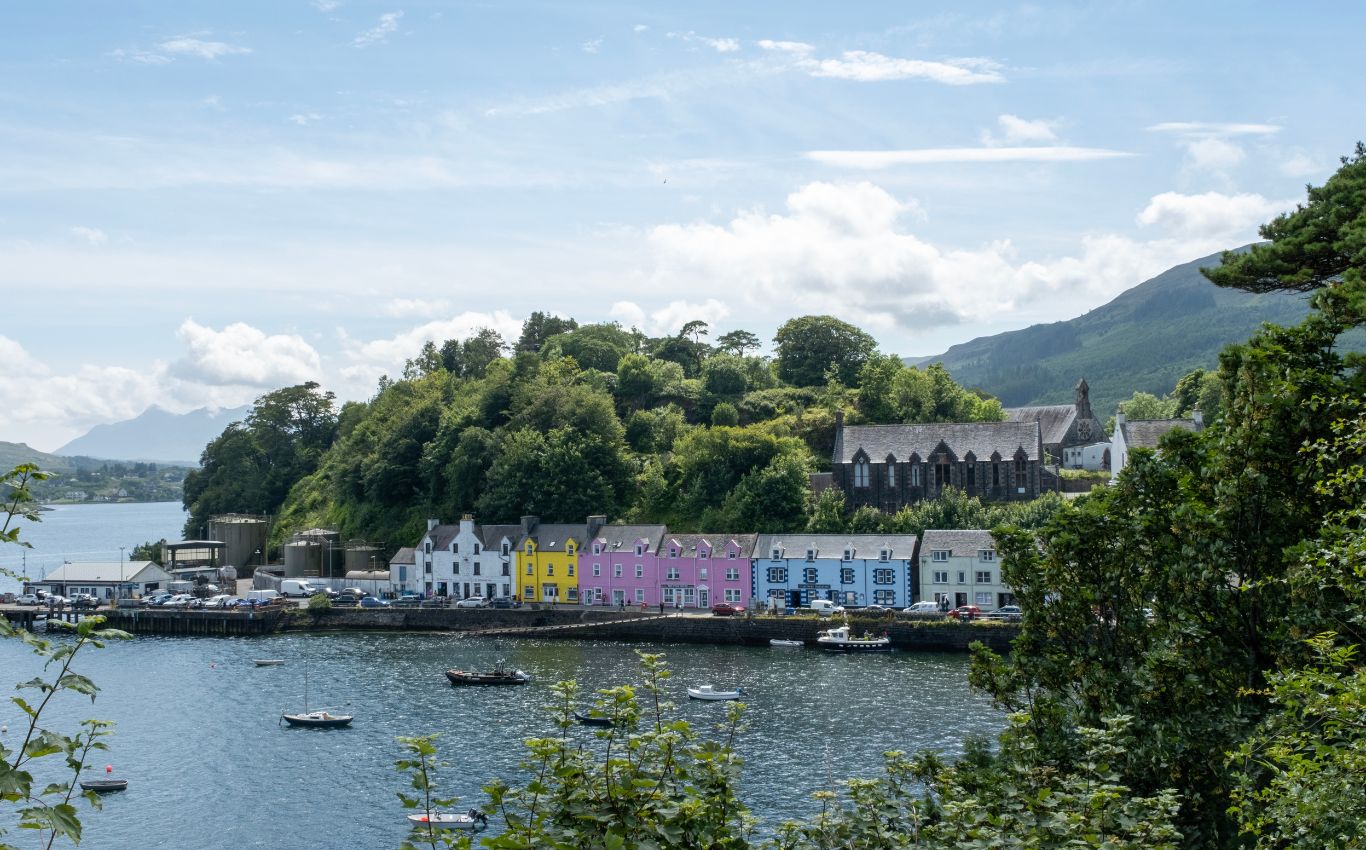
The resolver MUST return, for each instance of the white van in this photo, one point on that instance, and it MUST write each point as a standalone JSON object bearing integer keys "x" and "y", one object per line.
{"x": 294, "y": 587}
{"x": 263, "y": 595}
{"x": 824, "y": 607}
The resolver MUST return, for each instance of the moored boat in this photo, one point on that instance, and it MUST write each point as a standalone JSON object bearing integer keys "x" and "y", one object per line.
{"x": 840, "y": 639}
{"x": 707, "y": 692}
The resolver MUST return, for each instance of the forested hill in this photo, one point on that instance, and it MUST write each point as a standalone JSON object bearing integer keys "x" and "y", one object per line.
{"x": 1143, "y": 340}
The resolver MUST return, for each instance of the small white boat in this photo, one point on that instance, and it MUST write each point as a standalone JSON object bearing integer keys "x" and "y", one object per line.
{"x": 707, "y": 692}
{"x": 839, "y": 639}
{"x": 269, "y": 662}
{"x": 779, "y": 642}
{"x": 473, "y": 820}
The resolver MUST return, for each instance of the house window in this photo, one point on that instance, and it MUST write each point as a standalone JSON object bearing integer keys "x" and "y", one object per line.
{"x": 640, "y": 571}
{"x": 884, "y": 576}
{"x": 640, "y": 594}
{"x": 941, "y": 576}
{"x": 777, "y": 575}
{"x": 732, "y": 573}
{"x": 982, "y": 598}
{"x": 733, "y": 594}
{"x": 616, "y": 570}
{"x": 884, "y": 597}
{"x": 984, "y": 576}
{"x": 962, "y": 577}
{"x": 673, "y": 574}
{"x": 861, "y": 473}
{"x": 597, "y": 569}
{"x": 940, "y": 555}
{"x": 847, "y": 575}
{"x": 811, "y": 575}
{"x": 986, "y": 554}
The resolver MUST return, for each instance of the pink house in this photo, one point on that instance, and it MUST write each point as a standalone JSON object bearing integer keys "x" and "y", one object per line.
{"x": 700, "y": 570}
{"x": 617, "y": 566}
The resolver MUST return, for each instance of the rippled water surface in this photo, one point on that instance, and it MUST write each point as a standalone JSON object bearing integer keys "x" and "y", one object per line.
{"x": 209, "y": 766}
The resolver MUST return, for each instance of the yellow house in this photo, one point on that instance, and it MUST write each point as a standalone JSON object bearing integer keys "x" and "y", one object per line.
{"x": 548, "y": 561}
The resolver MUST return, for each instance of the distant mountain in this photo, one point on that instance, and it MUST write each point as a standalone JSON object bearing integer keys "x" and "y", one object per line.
{"x": 1145, "y": 339}
{"x": 156, "y": 435}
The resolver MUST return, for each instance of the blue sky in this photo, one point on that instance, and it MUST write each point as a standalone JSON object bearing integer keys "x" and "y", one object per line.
{"x": 200, "y": 202}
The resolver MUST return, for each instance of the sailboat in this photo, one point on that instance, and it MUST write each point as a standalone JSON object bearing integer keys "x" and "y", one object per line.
{"x": 321, "y": 719}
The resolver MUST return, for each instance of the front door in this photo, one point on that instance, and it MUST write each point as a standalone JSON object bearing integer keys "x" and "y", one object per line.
{"x": 703, "y": 597}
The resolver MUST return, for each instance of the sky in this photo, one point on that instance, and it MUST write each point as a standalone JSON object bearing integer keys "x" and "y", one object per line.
{"x": 201, "y": 202}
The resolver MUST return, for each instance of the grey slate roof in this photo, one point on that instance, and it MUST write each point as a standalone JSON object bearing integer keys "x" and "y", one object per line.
{"x": 687, "y": 543}
{"x": 901, "y": 441}
{"x": 796, "y": 543}
{"x": 622, "y": 538}
{"x": 1144, "y": 433}
{"x": 957, "y": 542}
{"x": 405, "y": 555}
{"x": 1053, "y": 419}
{"x": 551, "y": 538}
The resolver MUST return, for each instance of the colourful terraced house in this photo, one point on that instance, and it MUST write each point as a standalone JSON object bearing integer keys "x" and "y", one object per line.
{"x": 548, "y": 560}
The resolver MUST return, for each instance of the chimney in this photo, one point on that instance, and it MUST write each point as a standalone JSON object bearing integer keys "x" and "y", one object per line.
{"x": 595, "y": 524}
{"x": 432, "y": 523}
{"x": 1199, "y": 418}
{"x": 529, "y": 524}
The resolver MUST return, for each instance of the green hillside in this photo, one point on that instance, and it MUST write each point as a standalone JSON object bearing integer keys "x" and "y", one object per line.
{"x": 1145, "y": 339}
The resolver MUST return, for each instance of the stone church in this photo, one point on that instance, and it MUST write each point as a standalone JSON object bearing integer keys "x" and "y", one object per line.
{"x": 1063, "y": 426}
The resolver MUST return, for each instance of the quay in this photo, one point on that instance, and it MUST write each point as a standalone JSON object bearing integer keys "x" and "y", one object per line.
{"x": 561, "y": 623}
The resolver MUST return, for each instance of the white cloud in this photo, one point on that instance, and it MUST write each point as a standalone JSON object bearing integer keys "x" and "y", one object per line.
{"x": 1016, "y": 130}
{"x": 185, "y": 46}
{"x": 1212, "y": 215}
{"x": 925, "y": 156}
{"x": 303, "y": 119}
{"x": 409, "y": 307}
{"x": 1214, "y": 128}
{"x": 846, "y": 249}
{"x": 243, "y": 355}
{"x": 592, "y": 46}
{"x": 866, "y": 66}
{"x": 799, "y": 47}
{"x": 92, "y": 235}
{"x": 379, "y": 34}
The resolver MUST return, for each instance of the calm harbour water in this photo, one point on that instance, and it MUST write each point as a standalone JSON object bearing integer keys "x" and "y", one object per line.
{"x": 209, "y": 766}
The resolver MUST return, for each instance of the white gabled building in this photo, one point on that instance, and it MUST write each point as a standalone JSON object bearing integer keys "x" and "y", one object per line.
{"x": 452, "y": 561}
{"x": 961, "y": 568}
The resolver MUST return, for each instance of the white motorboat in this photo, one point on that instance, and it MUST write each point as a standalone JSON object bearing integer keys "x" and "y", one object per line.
{"x": 839, "y": 639}
{"x": 707, "y": 692}
{"x": 473, "y": 820}
{"x": 779, "y": 642}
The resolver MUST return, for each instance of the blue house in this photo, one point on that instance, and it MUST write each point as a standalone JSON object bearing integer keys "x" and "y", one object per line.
{"x": 849, "y": 569}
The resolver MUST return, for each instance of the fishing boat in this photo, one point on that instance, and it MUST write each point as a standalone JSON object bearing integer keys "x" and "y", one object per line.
{"x": 104, "y": 786}
{"x": 785, "y": 644}
{"x": 707, "y": 692}
{"x": 840, "y": 639}
{"x": 321, "y": 719}
{"x": 269, "y": 662}
{"x": 497, "y": 676}
{"x": 473, "y": 820}
{"x": 593, "y": 720}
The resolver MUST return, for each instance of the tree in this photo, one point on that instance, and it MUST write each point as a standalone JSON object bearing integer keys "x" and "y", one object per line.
{"x": 1321, "y": 242}
{"x": 737, "y": 342}
{"x": 540, "y": 327}
{"x": 808, "y": 346}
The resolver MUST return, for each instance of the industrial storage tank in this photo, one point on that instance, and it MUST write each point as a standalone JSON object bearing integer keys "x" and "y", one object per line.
{"x": 303, "y": 559}
{"x": 364, "y": 557}
{"x": 245, "y": 537}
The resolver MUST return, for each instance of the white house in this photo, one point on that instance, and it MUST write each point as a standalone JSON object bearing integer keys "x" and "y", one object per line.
{"x": 1133, "y": 434}
{"x": 107, "y": 579}
{"x": 452, "y": 560}
{"x": 961, "y": 568}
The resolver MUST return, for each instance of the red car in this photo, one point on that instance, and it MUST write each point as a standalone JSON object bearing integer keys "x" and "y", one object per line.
{"x": 727, "y": 609}
{"x": 966, "y": 612}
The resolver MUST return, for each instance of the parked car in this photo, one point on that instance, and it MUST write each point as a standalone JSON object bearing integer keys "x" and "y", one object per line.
{"x": 27, "y": 599}
{"x": 966, "y": 612}
{"x": 372, "y": 602}
{"x": 727, "y": 609}
{"x": 472, "y": 602}
{"x": 1009, "y": 613}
